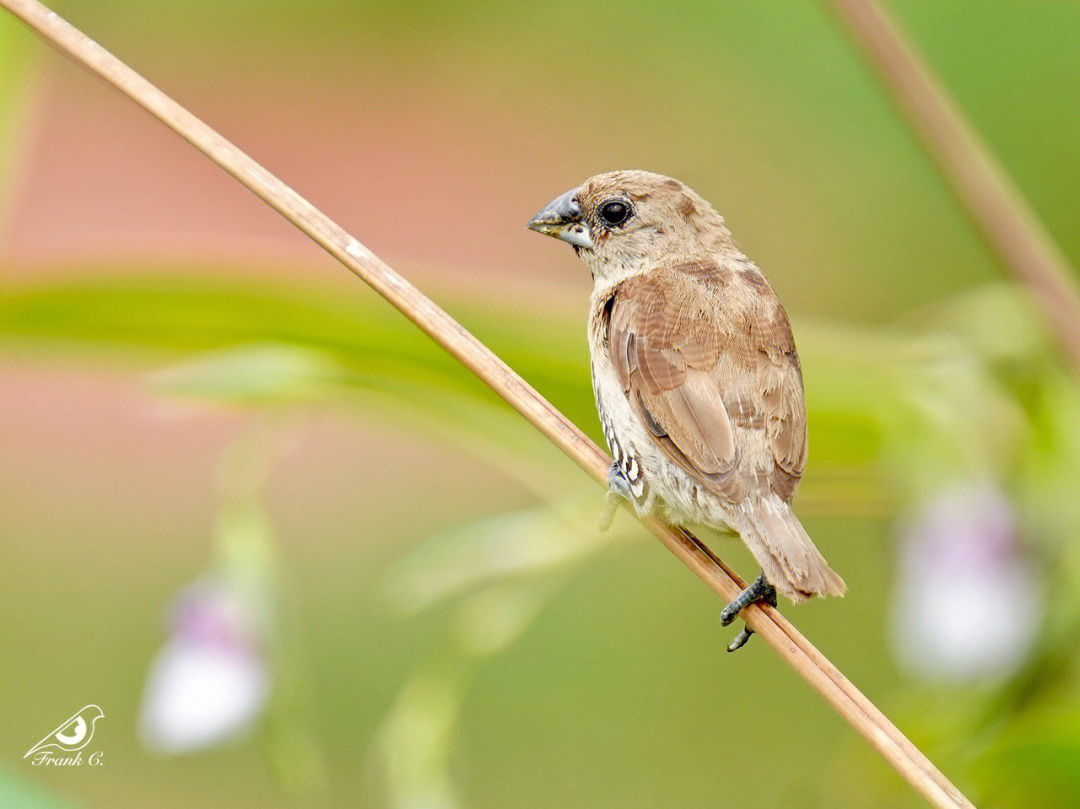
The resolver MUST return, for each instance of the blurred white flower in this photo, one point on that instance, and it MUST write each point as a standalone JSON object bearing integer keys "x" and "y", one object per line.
{"x": 968, "y": 602}
{"x": 212, "y": 678}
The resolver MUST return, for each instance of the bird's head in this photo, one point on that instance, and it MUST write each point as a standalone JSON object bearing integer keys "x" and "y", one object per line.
{"x": 622, "y": 223}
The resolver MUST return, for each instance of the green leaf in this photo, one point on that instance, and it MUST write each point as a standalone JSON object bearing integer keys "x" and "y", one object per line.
{"x": 254, "y": 374}
{"x": 19, "y": 793}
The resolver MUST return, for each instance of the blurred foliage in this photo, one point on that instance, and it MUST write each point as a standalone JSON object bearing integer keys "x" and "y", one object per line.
{"x": 521, "y": 657}
{"x": 15, "y": 82}
{"x": 966, "y": 389}
{"x": 872, "y": 392}
{"x": 15, "y": 791}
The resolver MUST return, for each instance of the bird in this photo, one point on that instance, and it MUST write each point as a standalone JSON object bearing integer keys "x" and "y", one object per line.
{"x": 697, "y": 380}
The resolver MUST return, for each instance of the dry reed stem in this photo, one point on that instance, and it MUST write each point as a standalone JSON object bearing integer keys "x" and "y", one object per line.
{"x": 773, "y": 628}
{"x": 973, "y": 174}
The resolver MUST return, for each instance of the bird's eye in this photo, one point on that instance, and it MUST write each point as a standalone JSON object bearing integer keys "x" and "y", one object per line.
{"x": 614, "y": 212}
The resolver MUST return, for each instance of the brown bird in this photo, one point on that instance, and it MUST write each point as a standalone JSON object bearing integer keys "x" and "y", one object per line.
{"x": 695, "y": 373}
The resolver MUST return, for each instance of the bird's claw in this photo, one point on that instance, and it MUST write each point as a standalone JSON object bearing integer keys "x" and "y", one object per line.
{"x": 617, "y": 482}
{"x": 758, "y": 590}
{"x": 618, "y": 487}
{"x": 740, "y": 639}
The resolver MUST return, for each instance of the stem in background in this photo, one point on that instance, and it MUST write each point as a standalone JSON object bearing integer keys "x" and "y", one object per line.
{"x": 774, "y": 629}
{"x": 971, "y": 171}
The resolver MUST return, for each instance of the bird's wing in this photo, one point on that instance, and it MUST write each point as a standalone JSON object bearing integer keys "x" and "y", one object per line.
{"x": 700, "y": 352}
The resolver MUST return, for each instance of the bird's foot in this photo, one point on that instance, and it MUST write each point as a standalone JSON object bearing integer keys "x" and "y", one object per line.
{"x": 759, "y": 590}
{"x": 618, "y": 487}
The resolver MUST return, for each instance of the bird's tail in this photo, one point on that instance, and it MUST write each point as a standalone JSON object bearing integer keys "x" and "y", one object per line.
{"x": 785, "y": 551}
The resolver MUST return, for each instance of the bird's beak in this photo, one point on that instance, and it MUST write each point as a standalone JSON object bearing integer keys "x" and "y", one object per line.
{"x": 563, "y": 219}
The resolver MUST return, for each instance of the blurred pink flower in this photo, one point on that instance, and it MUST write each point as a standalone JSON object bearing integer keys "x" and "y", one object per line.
{"x": 968, "y": 602}
{"x": 211, "y": 680}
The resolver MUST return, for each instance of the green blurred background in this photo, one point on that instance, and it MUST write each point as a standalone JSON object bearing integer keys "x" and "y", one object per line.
{"x": 194, "y": 393}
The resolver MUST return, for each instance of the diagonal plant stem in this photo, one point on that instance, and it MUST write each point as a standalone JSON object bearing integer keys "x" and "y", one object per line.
{"x": 969, "y": 167}
{"x": 774, "y": 629}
